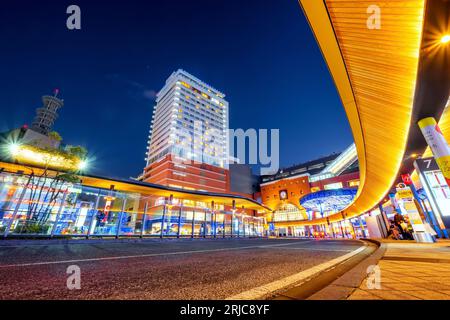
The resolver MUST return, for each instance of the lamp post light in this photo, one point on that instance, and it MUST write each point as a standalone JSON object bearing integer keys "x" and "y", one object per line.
{"x": 445, "y": 39}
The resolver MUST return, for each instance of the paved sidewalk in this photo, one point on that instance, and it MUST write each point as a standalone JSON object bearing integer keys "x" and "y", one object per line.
{"x": 411, "y": 271}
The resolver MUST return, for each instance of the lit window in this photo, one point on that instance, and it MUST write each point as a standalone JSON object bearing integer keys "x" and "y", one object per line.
{"x": 185, "y": 84}
{"x": 337, "y": 185}
{"x": 354, "y": 183}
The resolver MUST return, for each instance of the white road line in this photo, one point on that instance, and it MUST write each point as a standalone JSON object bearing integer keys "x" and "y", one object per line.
{"x": 285, "y": 244}
{"x": 263, "y": 291}
{"x": 317, "y": 249}
{"x": 94, "y": 242}
{"x": 145, "y": 255}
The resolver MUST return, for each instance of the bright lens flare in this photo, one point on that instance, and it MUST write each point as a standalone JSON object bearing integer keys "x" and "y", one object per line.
{"x": 13, "y": 149}
{"x": 445, "y": 39}
{"x": 82, "y": 165}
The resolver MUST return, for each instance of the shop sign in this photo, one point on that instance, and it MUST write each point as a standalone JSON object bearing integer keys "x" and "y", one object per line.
{"x": 404, "y": 192}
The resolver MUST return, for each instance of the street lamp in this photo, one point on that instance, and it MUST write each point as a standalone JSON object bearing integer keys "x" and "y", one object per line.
{"x": 13, "y": 149}
{"x": 82, "y": 165}
{"x": 445, "y": 39}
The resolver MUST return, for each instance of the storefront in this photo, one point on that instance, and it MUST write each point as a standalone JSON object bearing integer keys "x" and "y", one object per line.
{"x": 39, "y": 206}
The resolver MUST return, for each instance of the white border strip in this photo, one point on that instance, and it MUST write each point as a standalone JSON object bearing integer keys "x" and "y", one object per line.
{"x": 267, "y": 289}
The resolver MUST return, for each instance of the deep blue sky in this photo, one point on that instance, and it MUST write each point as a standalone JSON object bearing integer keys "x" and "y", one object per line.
{"x": 261, "y": 53}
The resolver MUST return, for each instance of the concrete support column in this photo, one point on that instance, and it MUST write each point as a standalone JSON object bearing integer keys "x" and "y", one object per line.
{"x": 204, "y": 224}
{"x": 438, "y": 145}
{"x": 144, "y": 218}
{"x": 193, "y": 223}
{"x": 342, "y": 229}
{"x": 162, "y": 221}
{"x": 179, "y": 219}
{"x": 61, "y": 206}
{"x": 362, "y": 227}
{"x": 120, "y": 217}
{"x": 16, "y": 209}
{"x": 91, "y": 224}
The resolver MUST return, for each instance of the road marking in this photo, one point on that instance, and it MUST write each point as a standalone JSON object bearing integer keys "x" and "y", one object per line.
{"x": 317, "y": 249}
{"x": 147, "y": 255}
{"x": 285, "y": 244}
{"x": 263, "y": 291}
{"x": 145, "y": 241}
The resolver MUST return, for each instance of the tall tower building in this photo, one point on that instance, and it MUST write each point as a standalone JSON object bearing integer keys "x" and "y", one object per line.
{"x": 188, "y": 143}
{"x": 47, "y": 114}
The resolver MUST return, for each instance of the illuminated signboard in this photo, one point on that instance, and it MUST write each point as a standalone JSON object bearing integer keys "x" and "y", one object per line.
{"x": 436, "y": 188}
{"x": 331, "y": 186}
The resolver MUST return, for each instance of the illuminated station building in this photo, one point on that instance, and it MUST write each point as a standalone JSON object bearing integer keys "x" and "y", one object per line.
{"x": 285, "y": 191}
{"x": 45, "y": 191}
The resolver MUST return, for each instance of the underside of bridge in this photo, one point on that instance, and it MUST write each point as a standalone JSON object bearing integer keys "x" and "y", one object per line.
{"x": 389, "y": 70}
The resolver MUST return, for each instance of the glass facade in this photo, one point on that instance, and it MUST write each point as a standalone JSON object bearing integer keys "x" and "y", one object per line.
{"x": 42, "y": 206}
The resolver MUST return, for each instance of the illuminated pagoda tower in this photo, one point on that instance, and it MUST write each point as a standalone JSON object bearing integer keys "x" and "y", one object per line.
{"x": 39, "y": 133}
{"x": 47, "y": 114}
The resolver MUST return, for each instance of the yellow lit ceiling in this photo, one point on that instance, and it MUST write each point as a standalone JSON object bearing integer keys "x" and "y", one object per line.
{"x": 374, "y": 71}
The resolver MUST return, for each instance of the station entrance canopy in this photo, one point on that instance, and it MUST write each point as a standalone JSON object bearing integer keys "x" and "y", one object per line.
{"x": 149, "y": 189}
{"x": 374, "y": 67}
{"x": 326, "y": 201}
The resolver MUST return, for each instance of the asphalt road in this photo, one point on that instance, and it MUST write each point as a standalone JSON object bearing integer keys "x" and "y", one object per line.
{"x": 158, "y": 269}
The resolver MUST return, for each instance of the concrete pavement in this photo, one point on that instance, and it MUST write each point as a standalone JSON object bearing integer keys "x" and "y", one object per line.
{"x": 409, "y": 271}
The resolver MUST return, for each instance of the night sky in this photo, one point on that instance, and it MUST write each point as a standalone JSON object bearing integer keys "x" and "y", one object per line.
{"x": 261, "y": 54}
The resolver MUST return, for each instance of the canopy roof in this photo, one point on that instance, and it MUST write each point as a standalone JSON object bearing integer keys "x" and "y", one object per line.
{"x": 375, "y": 73}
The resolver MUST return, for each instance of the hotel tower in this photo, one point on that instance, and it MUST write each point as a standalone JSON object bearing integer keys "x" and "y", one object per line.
{"x": 188, "y": 144}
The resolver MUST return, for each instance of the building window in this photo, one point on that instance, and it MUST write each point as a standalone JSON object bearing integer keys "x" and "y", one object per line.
{"x": 337, "y": 185}
{"x": 354, "y": 183}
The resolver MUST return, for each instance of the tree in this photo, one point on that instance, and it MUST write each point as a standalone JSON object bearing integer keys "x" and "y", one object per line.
{"x": 55, "y": 136}
{"x": 48, "y": 187}
{"x": 77, "y": 151}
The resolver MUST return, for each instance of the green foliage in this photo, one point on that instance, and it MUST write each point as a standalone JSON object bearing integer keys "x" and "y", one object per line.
{"x": 69, "y": 177}
{"x": 32, "y": 228}
{"x": 77, "y": 151}
{"x": 55, "y": 136}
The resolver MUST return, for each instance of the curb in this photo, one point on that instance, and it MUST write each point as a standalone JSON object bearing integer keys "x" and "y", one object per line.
{"x": 267, "y": 290}
{"x": 343, "y": 287}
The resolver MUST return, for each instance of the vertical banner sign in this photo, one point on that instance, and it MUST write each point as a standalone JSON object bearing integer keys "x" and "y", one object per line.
{"x": 439, "y": 146}
{"x": 436, "y": 188}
